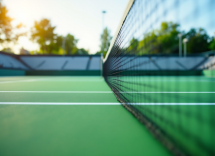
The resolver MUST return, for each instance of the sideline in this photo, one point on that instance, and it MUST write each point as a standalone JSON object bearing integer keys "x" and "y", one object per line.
{"x": 104, "y": 92}
{"x": 68, "y": 103}
{"x": 49, "y": 80}
{"x": 15, "y": 81}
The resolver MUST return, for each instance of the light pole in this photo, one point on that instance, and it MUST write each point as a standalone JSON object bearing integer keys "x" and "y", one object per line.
{"x": 185, "y": 46}
{"x": 103, "y": 16}
{"x": 63, "y": 45}
{"x": 102, "y": 54}
{"x": 180, "y": 44}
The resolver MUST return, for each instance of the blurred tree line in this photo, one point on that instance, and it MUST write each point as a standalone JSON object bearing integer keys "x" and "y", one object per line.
{"x": 105, "y": 41}
{"x": 50, "y": 43}
{"x": 165, "y": 40}
{"x": 8, "y": 33}
{"x": 42, "y": 33}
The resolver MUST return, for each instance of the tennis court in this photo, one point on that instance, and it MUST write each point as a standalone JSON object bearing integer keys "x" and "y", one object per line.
{"x": 149, "y": 90}
{"x": 81, "y": 115}
{"x": 68, "y": 116}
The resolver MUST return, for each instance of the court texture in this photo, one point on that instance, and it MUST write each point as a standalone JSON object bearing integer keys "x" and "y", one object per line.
{"x": 42, "y": 115}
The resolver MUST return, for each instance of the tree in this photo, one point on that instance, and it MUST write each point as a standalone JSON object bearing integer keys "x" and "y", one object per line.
{"x": 51, "y": 43}
{"x": 43, "y": 34}
{"x": 105, "y": 41}
{"x": 212, "y": 43}
{"x": 5, "y": 24}
{"x": 82, "y": 51}
{"x": 168, "y": 37}
{"x": 197, "y": 41}
{"x": 7, "y": 33}
{"x": 71, "y": 44}
{"x": 160, "y": 41}
{"x": 165, "y": 40}
{"x": 133, "y": 46}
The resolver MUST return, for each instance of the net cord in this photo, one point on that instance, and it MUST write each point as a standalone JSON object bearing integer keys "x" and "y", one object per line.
{"x": 128, "y": 7}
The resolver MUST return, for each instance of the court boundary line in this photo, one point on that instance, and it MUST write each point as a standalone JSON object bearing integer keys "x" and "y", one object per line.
{"x": 51, "y": 80}
{"x": 26, "y": 80}
{"x": 47, "y": 79}
{"x": 104, "y": 92}
{"x": 85, "y": 103}
{"x": 30, "y": 80}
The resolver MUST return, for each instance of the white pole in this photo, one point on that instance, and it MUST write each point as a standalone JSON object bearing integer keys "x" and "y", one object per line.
{"x": 180, "y": 44}
{"x": 102, "y": 54}
{"x": 63, "y": 45}
{"x": 185, "y": 47}
{"x": 103, "y": 13}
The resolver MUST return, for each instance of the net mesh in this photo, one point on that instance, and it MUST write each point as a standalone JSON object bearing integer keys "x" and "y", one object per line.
{"x": 160, "y": 66}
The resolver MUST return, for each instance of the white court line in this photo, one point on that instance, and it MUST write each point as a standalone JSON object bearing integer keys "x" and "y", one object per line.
{"x": 81, "y": 92}
{"x": 28, "y": 80}
{"x": 55, "y": 103}
{"x": 171, "y": 92}
{"x": 63, "y": 80}
{"x": 51, "y": 80}
{"x": 31, "y": 80}
{"x": 82, "y": 103}
{"x": 148, "y": 80}
{"x": 104, "y": 92}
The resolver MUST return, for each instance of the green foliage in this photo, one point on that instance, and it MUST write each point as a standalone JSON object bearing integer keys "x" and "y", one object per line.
{"x": 70, "y": 44}
{"x": 82, "y": 51}
{"x": 43, "y": 34}
{"x": 105, "y": 40}
{"x": 6, "y": 30}
{"x": 212, "y": 44}
{"x": 168, "y": 37}
{"x": 197, "y": 41}
{"x": 132, "y": 49}
{"x": 51, "y": 43}
{"x": 5, "y": 23}
{"x": 165, "y": 40}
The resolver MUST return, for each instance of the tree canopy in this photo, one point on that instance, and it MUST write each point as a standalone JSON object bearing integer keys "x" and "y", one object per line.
{"x": 212, "y": 43}
{"x": 71, "y": 44}
{"x": 165, "y": 40}
{"x": 105, "y": 40}
{"x": 51, "y": 43}
{"x": 43, "y": 33}
{"x": 197, "y": 41}
{"x": 7, "y": 31}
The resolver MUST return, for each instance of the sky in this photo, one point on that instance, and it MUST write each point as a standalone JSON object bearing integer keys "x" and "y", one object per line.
{"x": 81, "y": 18}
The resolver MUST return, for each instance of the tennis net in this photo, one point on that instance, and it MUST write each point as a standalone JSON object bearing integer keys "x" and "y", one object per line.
{"x": 160, "y": 66}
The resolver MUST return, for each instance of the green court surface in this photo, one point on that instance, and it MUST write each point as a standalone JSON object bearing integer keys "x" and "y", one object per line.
{"x": 42, "y": 116}
{"x": 81, "y": 116}
{"x": 183, "y": 107}
{"x": 170, "y": 89}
